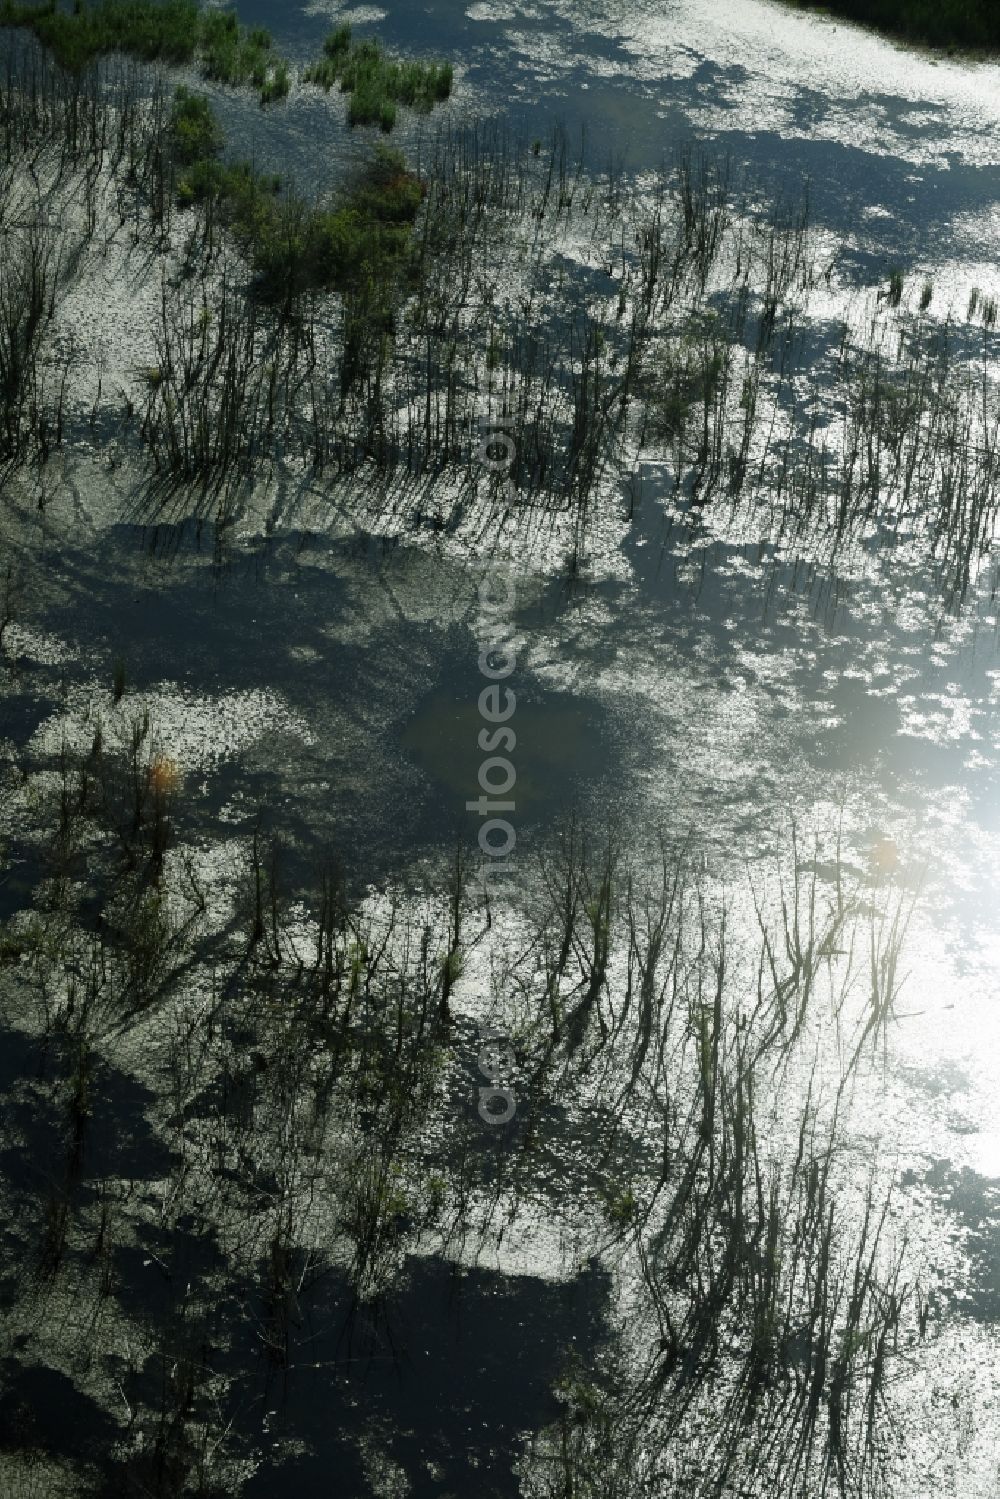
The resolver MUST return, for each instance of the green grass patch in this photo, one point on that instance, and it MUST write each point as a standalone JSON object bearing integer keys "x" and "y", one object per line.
{"x": 375, "y": 82}
{"x": 172, "y": 31}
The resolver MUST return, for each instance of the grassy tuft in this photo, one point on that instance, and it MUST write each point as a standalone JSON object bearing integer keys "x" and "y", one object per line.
{"x": 375, "y": 82}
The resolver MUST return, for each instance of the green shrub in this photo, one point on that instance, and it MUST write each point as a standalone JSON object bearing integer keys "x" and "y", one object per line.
{"x": 388, "y": 191}
{"x": 360, "y": 245}
{"x": 201, "y": 181}
{"x": 194, "y": 130}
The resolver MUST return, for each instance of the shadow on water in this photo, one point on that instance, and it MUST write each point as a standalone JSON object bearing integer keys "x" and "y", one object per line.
{"x": 444, "y": 1380}
{"x": 406, "y": 701}
{"x": 561, "y": 750}
{"x": 43, "y": 1410}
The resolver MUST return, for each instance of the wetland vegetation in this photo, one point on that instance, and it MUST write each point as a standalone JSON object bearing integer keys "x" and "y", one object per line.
{"x": 174, "y": 31}
{"x": 366, "y": 329}
{"x": 375, "y": 83}
{"x": 240, "y": 1109}
{"x": 305, "y": 1116}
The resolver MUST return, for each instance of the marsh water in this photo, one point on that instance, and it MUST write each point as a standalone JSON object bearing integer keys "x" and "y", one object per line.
{"x": 682, "y": 675}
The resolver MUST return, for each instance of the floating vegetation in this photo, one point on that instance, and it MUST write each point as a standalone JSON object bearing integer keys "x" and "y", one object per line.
{"x": 171, "y": 31}
{"x": 375, "y": 82}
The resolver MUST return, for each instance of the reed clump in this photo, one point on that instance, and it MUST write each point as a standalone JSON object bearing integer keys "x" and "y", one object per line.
{"x": 232, "y": 370}
{"x": 375, "y": 82}
{"x": 171, "y": 31}
{"x": 85, "y": 158}
{"x": 774, "y": 1282}
{"x": 194, "y": 131}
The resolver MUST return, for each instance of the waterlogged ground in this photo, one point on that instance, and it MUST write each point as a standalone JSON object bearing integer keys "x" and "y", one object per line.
{"x": 261, "y": 1267}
